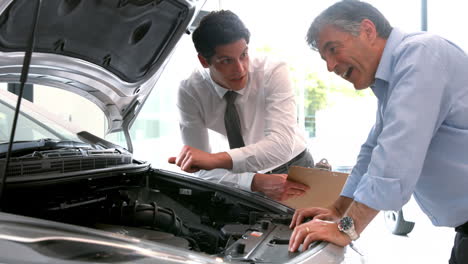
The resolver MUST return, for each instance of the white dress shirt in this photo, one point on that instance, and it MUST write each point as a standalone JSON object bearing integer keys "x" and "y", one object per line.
{"x": 267, "y": 110}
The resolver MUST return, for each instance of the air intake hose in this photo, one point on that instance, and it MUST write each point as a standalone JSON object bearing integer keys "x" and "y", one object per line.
{"x": 149, "y": 215}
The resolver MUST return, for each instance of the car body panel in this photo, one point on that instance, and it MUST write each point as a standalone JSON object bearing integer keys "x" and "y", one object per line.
{"x": 113, "y": 57}
{"x": 82, "y": 199}
{"x": 31, "y": 240}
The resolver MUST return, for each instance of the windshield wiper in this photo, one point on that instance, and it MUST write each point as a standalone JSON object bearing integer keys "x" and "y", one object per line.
{"x": 42, "y": 144}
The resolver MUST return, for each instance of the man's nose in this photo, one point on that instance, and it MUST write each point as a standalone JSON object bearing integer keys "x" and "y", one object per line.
{"x": 239, "y": 66}
{"x": 331, "y": 64}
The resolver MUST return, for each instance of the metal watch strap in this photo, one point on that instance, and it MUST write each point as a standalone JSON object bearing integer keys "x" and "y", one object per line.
{"x": 346, "y": 225}
{"x": 352, "y": 233}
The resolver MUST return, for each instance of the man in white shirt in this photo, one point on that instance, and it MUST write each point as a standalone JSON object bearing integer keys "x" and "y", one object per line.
{"x": 259, "y": 120}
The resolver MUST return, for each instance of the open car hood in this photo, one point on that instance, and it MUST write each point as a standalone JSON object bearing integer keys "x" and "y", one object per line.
{"x": 108, "y": 51}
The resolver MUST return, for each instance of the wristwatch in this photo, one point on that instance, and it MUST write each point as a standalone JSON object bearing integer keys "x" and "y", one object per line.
{"x": 346, "y": 225}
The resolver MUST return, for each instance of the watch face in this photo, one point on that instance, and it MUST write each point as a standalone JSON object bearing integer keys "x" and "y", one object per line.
{"x": 346, "y": 223}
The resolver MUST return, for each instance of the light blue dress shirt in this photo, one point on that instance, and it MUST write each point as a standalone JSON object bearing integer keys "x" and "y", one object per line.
{"x": 419, "y": 142}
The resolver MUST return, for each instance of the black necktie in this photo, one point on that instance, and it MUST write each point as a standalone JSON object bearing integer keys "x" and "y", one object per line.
{"x": 232, "y": 122}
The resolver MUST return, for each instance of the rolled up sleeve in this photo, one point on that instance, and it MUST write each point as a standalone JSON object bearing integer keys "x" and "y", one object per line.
{"x": 380, "y": 193}
{"x": 225, "y": 177}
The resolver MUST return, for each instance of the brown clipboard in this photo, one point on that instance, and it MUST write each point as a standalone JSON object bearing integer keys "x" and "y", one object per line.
{"x": 325, "y": 186}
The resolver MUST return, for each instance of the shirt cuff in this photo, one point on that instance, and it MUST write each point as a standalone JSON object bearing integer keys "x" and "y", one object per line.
{"x": 238, "y": 160}
{"x": 245, "y": 181}
{"x": 350, "y": 186}
{"x": 380, "y": 193}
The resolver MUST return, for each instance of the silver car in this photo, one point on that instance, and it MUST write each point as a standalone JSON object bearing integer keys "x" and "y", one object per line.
{"x": 68, "y": 196}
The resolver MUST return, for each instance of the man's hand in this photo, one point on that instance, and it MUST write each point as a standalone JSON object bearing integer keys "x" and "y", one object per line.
{"x": 192, "y": 160}
{"x": 315, "y": 213}
{"x": 316, "y": 230}
{"x": 333, "y": 212}
{"x": 277, "y": 186}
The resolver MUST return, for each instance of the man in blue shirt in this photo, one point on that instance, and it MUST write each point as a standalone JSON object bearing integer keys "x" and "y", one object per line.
{"x": 419, "y": 143}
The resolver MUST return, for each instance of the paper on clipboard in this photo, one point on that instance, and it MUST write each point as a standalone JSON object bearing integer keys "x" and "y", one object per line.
{"x": 325, "y": 186}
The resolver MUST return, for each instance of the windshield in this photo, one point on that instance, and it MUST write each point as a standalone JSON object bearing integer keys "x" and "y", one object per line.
{"x": 30, "y": 126}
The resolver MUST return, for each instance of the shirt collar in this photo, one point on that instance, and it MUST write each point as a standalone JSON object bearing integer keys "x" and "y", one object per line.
{"x": 221, "y": 91}
{"x": 384, "y": 70}
{"x": 385, "y": 64}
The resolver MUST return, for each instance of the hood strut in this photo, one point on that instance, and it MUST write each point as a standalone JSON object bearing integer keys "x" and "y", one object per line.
{"x": 23, "y": 79}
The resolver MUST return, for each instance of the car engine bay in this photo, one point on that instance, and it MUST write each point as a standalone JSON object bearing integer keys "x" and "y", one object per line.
{"x": 134, "y": 200}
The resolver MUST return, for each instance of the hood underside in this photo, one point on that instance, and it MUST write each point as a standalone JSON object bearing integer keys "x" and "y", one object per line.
{"x": 109, "y": 51}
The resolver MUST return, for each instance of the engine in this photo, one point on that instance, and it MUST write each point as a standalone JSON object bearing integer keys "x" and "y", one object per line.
{"x": 154, "y": 206}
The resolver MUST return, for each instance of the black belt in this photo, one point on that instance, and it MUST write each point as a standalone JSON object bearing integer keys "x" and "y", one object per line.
{"x": 462, "y": 228}
{"x": 289, "y": 163}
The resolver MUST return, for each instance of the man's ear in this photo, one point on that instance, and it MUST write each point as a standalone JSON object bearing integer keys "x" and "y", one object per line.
{"x": 203, "y": 61}
{"x": 369, "y": 30}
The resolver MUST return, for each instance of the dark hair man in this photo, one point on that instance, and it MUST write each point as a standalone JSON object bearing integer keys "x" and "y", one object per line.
{"x": 249, "y": 100}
